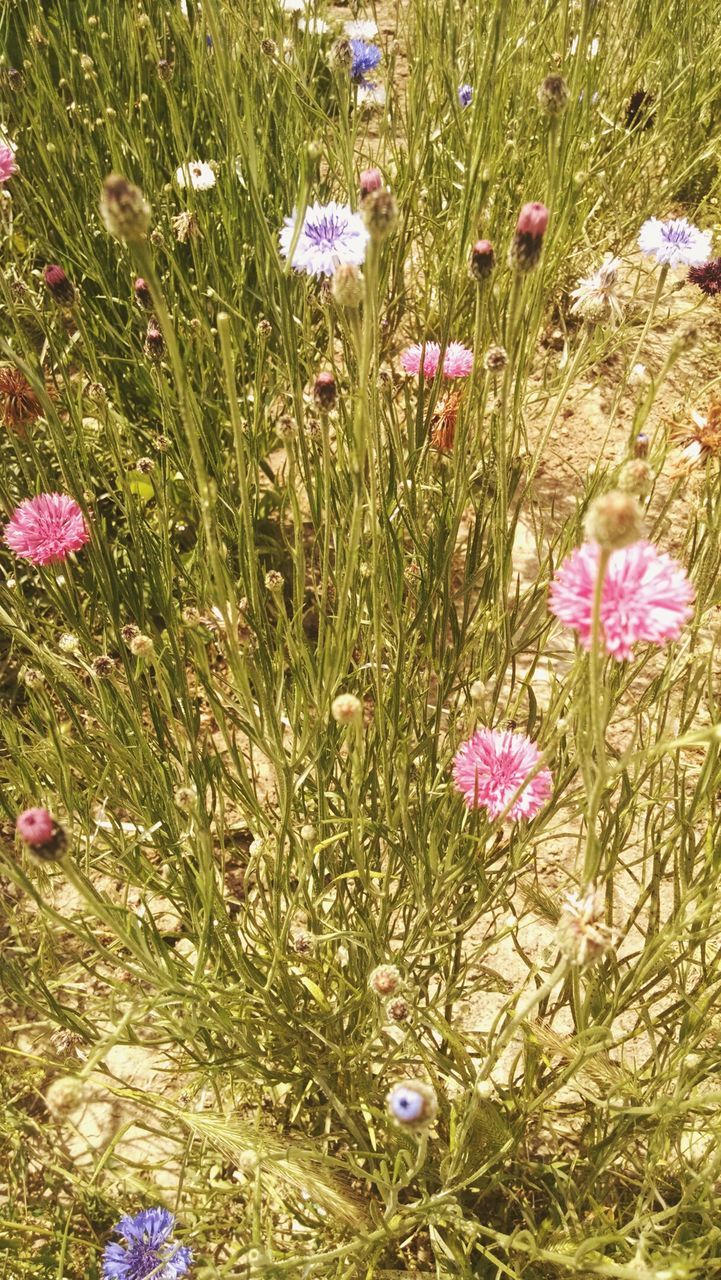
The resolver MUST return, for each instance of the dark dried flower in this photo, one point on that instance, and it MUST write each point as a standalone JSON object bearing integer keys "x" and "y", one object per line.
{"x": 19, "y": 404}
{"x": 639, "y": 113}
{"x": 165, "y": 69}
{"x": 103, "y": 665}
{"x": 443, "y": 423}
{"x": 154, "y": 345}
{"x": 161, "y": 443}
{"x": 142, "y": 293}
{"x": 324, "y": 392}
{"x": 707, "y": 277}
{"x": 185, "y": 225}
{"x": 145, "y": 466}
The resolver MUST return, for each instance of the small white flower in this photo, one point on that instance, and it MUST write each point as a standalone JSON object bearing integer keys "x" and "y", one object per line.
{"x": 595, "y": 295}
{"x": 197, "y": 174}
{"x": 371, "y": 95}
{"x": 313, "y": 26}
{"x": 293, "y": 6}
{"x": 639, "y": 377}
{"x": 361, "y": 29}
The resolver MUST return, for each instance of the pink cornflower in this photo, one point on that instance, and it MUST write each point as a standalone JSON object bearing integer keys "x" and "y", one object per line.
{"x": 35, "y": 826}
{"x": 46, "y": 528}
{"x": 646, "y": 596}
{"x": 7, "y": 163}
{"x": 457, "y": 361}
{"x": 489, "y": 768}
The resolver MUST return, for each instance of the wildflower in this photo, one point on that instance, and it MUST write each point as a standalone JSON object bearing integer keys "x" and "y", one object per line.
{"x": 636, "y": 477}
{"x": 582, "y": 935}
{"x": 443, "y": 425}
{"x": 465, "y": 94}
{"x": 185, "y": 797}
{"x": 496, "y": 359}
{"x": 457, "y": 361}
{"x": 58, "y": 286}
{"x": 68, "y": 643}
{"x": 46, "y": 528}
{"x": 164, "y": 69}
{"x": 148, "y": 1249}
{"x": 707, "y": 277}
{"x": 347, "y": 286}
{"x": 143, "y": 295}
{"x": 646, "y": 597}
{"x": 19, "y": 405}
{"x": 370, "y": 180}
{"x": 196, "y": 174}
{"x": 161, "y": 443}
{"x": 141, "y": 646}
{"x": 384, "y": 980}
{"x": 525, "y": 251}
{"x": 347, "y": 709}
{"x": 614, "y": 520}
{"x": 293, "y": 6}
{"x": 314, "y": 26}
{"x": 303, "y": 943}
{"x": 489, "y": 768}
{"x": 324, "y": 392}
{"x": 103, "y": 665}
{"x": 705, "y": 438}
{"x": 329, "y": 233}
{"x": 365, "y": 58}
{"x": 553, "y": 95}
{"x": 361, "y": 29}
{"x": 185, "y": 226}
{"x": 154, "y": 345}
{"x": 32, "y": 678}
{"x": 7, "y": 162}
{"x": 43, "y": 835}
{"x": 676, "y": 243}
{"x": 413, "y": 1103}
{"x": 639, "y": 378}
{"x": 380, "y": 213}
{"x": 124, "y": 209}
{"x": 483, "y": 260}
{"x": 638, "y": 111}
{"x": 595, "y": 294}
{"x": 274, "y": 581}
{"x": 398, "y": 1010}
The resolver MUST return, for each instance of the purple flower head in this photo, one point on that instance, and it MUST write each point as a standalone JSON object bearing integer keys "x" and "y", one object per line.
{"x": 366, "y": 57}
{"x": 676, "y": 243}
{"x": 330, "y": 233}
{"x": 465, "y": 94}
{"x": 148, "y": 1250}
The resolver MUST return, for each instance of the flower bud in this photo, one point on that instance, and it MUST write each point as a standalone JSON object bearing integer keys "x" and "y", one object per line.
{"x": 341, "y": 54}
{"x": 124, "y": 210}
{"x": 413, "y": 1104}
{"x": 370, "y": 180}
{"x": 380, "y": 213}
{"x": 141, "y": 646}
{"x": 61, "y": 290}
{"x": 347, "y": 709}
{"x": 41, "y": 833}
{"x": 308, "y": 831}
{"x": 347, "y": 286}
{"x": 142, "y": 293}
{"x": 496, "y": 359}
{"x": 165, "y": 69}
{"x": 324, "y": 392}
{"x": 154, "y": 345}
{"x": 614, "y": 520}
{"x": 636, "y": 477}
{"x": 384, "y": 980}
{"x": 639, "y": 377}
{"x": 525, "y": 251}
{"x": 483, "y": 260}
{"x": 553, "y": 95}
{"x": 398, "y": 1010}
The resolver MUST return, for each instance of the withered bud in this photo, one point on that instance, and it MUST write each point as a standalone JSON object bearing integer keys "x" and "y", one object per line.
{"x": 325, "y": 392}
{"x": 614, "y": 520}
{"x": 124, "y": 210}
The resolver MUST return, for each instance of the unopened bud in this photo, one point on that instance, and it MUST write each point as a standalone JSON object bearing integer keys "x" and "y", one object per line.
{"x": 347, "y": 286}
{"x": 398, "y": 1010}
{"x": 527, "y": 244}
{"x": 124, "y": 209}
{"x": 324, "y": 392}
{"x": 496, "y": 359}
{"x": 143, "y": 295}
{"x": 636, "y": 477}
{"x": 614, "y": 520}
{"x": 384, "y": 980}
{"x": 61, "y": 289}
{"x": 380, "y": 213}
{"x": 154, "y": 345}
{"x": 347, "y": 709}
{"x": 483, "y": 260}
{"x": 553, "y": 95}
{"x": 141, "y": 646}
{"x": 41, "y": 833}
{"x": 370, "y": 180}
{"x": 640, "y": 446}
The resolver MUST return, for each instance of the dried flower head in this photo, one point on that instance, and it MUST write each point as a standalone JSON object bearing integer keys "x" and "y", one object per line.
{"x": 496, "y": 359}
{"x": 186, "y": 227}
{"x": 701, "y": 441}
{"x": 124, "y": 209}
{"x": 553, "y": 95}
{"x": 18, "y": 402}
{"x": 491, "y": 766}
{"x": 413, "y": 1104}
{"x": 46, "y": 528}
{"x": 398, "y": 1010}
{"x": 274, "y": 581}
{"x": 707, "y": 277}
{"x": 614, "y": 520}
{"x": 154, "y": 345}
{"x": 596, "y": 298}
{"x": 103, "y": 666}
{"x": 646, "y": 597}
{"x": 582, "y": 934}
{"x": 384, "y": 980}
{"x": 639, "y": 112}
{"x": 164, "y": 69}
{"x": 443, "y": 423}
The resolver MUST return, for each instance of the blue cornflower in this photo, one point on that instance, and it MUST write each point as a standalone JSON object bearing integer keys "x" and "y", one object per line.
{"x": 366, "y": 57}
{"x": 465, "y": 94}
{"x": 148, "y": 1249}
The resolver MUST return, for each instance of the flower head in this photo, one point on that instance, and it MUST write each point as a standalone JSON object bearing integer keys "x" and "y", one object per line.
{"x": 330, "y": 233}
{"x": 595, "y": 295}
{"x": 7, "y": 162}
{"x": 703, "y": 440}
{"x": 465, "y": 94}
{"x": 19, "y": 405}
{"x": 370, "y": 180}
{"x": 361, "y": 28}
{"x": 527, "y": 244}
{"x": 457, "y": 361}
{"x": 384, "y": 980}
{"x": 489, "y": 768}
{"x": 41, "y": 833}
{"x": 413, "y": 1103}
{"x": 46, "y": 528}
{"x": 582, "y": 934}
{"x": 61, "y": 289}
{"x": 124, "y": 209}
{"x": 482, "y": 261}
{"x": 707, "y": 277}
{"x": 646, "y": 597}
{"x": 676, "y": 243}
{"x": 366, "y": 57}
{"x": 149, "y": 1249}
{"x": 196, "y": 174}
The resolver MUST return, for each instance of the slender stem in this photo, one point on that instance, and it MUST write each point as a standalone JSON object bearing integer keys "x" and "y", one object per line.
{"x": 598, "y": 724}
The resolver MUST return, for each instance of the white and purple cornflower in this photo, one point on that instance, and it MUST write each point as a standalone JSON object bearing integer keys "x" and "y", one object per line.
{"x": 366, "y": 57}
{"x": 412, "y": 1104}
{"x": 149, "y": 1249}
{"x": 675, "y": 243}
{"x": 330, "y": 234}
{"x": 465, "y": 94}
{"x": 361, "y": 28}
